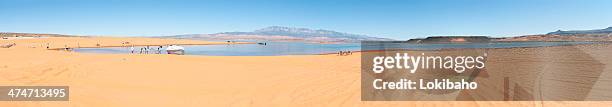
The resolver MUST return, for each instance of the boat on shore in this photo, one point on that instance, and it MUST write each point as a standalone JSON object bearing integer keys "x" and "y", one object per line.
{"x": 177, "y": 50}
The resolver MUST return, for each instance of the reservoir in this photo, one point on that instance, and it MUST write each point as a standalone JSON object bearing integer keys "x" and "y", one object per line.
{"x": 301, "y": 48}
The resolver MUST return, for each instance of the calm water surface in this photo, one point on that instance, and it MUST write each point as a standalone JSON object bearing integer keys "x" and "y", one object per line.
{"x": 299, "y": 48}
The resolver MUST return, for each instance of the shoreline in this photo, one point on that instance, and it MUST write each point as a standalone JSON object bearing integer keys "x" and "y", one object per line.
{"x": 151, "y": 45}
{"x": 327, "y": 53}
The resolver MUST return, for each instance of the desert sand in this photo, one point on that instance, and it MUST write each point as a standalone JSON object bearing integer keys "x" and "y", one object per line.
{"x": 144, "y": 80}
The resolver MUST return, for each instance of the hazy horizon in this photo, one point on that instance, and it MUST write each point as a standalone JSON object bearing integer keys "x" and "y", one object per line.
{"x": 387, "y": 19}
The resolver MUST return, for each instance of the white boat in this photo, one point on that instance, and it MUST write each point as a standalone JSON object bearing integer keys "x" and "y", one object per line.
{"x": 173, "y": 49}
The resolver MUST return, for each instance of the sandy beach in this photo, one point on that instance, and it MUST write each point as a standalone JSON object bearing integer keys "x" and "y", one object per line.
{"x": 103, "y": 80}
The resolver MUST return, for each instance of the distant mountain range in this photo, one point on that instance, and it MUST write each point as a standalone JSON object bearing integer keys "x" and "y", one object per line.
{"x": 571, "y": 35}
{"x": 279, "y": 33}
{"x": 290, "y": 34}
{"x": 573, "y": 32}
{"x": 10, "y": 34}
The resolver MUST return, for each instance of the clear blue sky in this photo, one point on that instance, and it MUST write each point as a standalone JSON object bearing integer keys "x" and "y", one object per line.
{"x": 396, "y": 19}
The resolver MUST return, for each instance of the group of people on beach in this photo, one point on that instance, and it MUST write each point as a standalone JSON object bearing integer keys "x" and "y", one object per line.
{"x": 147, "y": 50}
{"x": 345, "y": 53}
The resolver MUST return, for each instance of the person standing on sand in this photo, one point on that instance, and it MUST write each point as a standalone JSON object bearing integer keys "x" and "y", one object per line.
{"x": 159, "y": 50}
{"x": 132, "y": 49}
{"x": 147, "y": 50}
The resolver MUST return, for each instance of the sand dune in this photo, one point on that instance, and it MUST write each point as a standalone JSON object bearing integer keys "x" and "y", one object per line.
{"x": 169, "y": 80}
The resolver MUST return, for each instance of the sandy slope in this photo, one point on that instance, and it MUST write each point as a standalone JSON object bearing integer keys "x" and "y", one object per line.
{"x": 168, "y": 80}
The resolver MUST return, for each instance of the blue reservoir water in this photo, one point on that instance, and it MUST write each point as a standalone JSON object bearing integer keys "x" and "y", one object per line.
{"x": 299, "y": 48}
{"x": 270, "y": 49}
